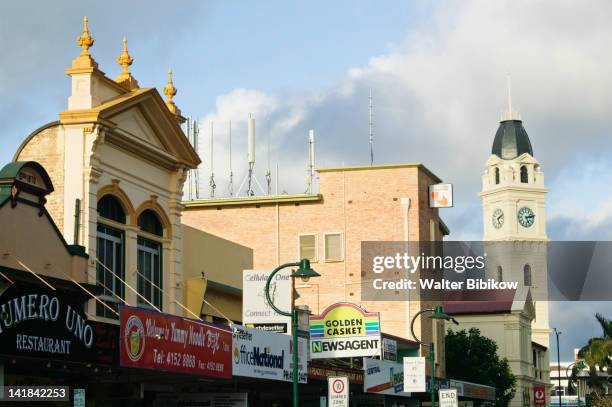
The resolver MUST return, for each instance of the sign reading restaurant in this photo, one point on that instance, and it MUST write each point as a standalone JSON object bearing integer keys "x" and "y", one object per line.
{"x": 152, "y": 340}
{"x": 344, "y": 330}
{"x": 40, "y": 322}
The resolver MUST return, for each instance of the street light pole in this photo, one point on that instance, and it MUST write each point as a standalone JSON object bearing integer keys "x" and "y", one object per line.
{"x": 304, "y": 272}
{"x": 437, "y": 313}
{"x": 557, "y": 333}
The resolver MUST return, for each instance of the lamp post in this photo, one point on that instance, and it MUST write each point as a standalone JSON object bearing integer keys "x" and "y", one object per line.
{"x": 580, "y": 365}
{"x": 305, "y": 273}
{"x": 557, "y": 333}
{"x": 437, "y": 313}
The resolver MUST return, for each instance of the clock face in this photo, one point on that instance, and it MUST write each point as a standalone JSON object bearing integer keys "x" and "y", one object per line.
{"x": 498, "y": 218}
{"x": 526, "y": 217}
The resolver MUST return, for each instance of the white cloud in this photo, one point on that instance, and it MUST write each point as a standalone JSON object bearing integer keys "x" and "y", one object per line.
{"x": 438, "y": 97}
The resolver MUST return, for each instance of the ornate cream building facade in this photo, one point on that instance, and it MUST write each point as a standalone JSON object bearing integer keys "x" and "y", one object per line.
{"x": 119, "y": 159}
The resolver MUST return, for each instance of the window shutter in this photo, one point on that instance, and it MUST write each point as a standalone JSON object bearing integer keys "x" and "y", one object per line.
{"x": 308, "y": 247}
{"x": 333, "y": 247}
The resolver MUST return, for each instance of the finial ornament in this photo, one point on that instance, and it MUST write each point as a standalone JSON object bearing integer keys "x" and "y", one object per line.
{"x": 170, "y": 91}
{"x": 510, "y": 114}
{"x": 125, "y": 59}
{"x": 125, "y": 78}
{"x": 85, "y": 40}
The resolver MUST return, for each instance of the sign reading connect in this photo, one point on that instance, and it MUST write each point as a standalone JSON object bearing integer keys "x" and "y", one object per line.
{"x": 344, "y": 330}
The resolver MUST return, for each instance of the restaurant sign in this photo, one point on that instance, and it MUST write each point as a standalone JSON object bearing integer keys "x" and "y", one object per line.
{"x": 39, "y": 322}
{"x": 344, "y": 330}
{"x": 153, "y": 340}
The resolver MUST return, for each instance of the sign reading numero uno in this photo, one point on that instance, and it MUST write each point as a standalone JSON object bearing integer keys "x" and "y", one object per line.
{"x": 338, "y": 394}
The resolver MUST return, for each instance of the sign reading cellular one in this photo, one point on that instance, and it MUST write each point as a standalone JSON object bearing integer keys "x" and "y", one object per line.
{"x": 152, "y": 340}
{"x": 256, "y": 312}
{"x": 344, "y": 330}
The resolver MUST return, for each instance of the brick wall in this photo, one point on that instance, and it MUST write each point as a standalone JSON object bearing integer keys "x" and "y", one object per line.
{"x": 47, "y": 148}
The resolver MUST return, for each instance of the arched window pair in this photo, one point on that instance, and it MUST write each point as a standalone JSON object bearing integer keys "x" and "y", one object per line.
{"x": 111, "y": 256}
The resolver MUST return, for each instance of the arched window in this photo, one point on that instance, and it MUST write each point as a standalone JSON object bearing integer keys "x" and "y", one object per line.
{"x": 527, "y": 275}
{"x": 110, "y": 256}
{"x": 149, "y": 262}
{"x": 109, "y": 207}
{"x": 148, "y": 221}
{"x": 524, "y": 176}
{"x": 496, "y": 175}
{"x": 500, "y": 274}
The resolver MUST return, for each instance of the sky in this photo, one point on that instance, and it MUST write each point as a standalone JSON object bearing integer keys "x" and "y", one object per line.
{"x": 437, "y": 71}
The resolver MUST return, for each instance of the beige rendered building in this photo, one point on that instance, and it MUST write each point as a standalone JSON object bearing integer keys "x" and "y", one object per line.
{"x": 514, "y": 216}
{"x": 118, "y": 159}
{"x": 354, "y": 204}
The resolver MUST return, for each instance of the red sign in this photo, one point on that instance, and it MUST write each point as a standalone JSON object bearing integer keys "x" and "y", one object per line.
{"x": 151, "y": 340}
{"x": 539, "y": 395}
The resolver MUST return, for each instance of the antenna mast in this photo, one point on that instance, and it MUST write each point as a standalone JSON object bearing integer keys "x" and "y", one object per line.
{"x": 311, "y": 161}
{"x": 190, "y": 172}
{"x": 196, "y": 136}
{"x": 370, "y": 127}
{"x": 231, "y": 174}
{"x": 212, "y": 168}
{"x": 250, "y": 177}
{"x": 268, "y": 173}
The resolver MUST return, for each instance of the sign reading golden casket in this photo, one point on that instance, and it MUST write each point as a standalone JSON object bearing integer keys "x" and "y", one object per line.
{"x": 344, "y": 330}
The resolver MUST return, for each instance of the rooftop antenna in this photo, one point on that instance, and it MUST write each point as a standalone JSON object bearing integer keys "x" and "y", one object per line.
{"x": 268, "y": 173}
{"x": 250, "y": 177}
{"x": 196, "y": 142}
{"x": 311, "y": 164}
{"x": 371, "y": 130}
{"x": 190, "y": 172}
{"x": 510, "y": 114}
{"x": 231, "y": 174}
{"x": 211, "y": 182}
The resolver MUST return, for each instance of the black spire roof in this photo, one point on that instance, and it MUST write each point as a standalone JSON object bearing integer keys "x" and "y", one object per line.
{"x": 511, "y": 140}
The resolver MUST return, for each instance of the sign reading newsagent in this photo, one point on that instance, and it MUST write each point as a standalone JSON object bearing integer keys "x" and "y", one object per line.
{"x": 267, "y": 355}
{"x": 344, "y": 330}
{"x": 152, "y": 340}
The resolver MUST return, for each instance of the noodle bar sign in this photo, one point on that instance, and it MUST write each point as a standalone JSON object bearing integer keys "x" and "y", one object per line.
{"x": 152, "y": 340}
{"x": 39, "y": 322}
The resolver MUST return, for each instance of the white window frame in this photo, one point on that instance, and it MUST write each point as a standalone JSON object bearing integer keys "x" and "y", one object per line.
{"x": 341, "y": 247}
{"x": 316, "y": 244}
{"x": 159, "y": 240}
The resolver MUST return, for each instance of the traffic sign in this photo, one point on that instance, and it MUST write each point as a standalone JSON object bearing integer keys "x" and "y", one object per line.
{"x": 338, "y": 391}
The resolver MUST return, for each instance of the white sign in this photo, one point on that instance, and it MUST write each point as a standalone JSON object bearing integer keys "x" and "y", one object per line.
{"x": 266, "y": 355}
{"x": 441, "y": 196}
{"x": 414, "y": 374}
{"x": 448, "y": 398}
{"x": 383, "y": 377}
{"x": 338, "y": 394}
{"x": 200, "y": 399}
{"x": 256, "y": 312}
{"x": 389, "y": 349}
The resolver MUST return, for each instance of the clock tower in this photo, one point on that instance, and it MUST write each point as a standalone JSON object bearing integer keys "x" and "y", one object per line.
{"x": 514, "y": 215}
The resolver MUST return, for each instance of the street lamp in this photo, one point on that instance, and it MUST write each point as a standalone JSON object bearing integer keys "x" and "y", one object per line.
{"x": 437, "y": 313}
{"x": 580, "y": 365}
{"x": 557, "y": 333}
{"x": 304, "y": 272}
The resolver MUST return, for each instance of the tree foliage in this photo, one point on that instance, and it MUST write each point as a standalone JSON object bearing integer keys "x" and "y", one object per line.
{"x": 473, "y": 358}
{"x": 597, "y": 354}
